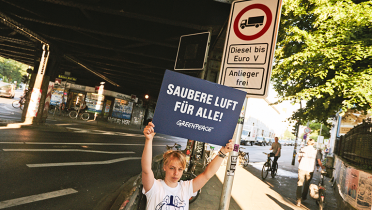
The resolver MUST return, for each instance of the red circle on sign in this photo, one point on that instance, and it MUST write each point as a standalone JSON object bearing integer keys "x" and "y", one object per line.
{"x": 269, "y": 17}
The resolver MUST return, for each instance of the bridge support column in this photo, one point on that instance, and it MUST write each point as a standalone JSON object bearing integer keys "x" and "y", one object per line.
{"x": 35, "y": 106}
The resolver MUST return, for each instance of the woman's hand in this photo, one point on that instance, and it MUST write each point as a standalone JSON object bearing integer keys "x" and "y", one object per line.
{"x": 149, "y": 131}
{"x": 228, "y": 148}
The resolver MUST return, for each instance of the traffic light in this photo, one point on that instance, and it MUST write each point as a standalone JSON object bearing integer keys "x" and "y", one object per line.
{"x": 295, "y": 129}
{"x": 24, "y": 79}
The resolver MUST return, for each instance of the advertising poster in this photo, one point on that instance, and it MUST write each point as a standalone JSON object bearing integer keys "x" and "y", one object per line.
{"x": 94, "y": 102}
{"x": 336, "y": 172}
{"x": 342, "y": 183}
{"x": 364, "y": 199}
{"x": 352, "y": 185}
{"x": 107, "y": 107}
{"x": 197, "y": 109}
{"x": 122, "y": 109}
{"x": 57, "y": 94}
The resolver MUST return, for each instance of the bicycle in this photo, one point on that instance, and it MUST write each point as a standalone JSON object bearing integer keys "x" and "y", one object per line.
{"x": 268, "y": 167}
{"x": 322, "y": 189}
{"x": 53, "y": 109}
{"x": 317, "y": 192}
{"x": 74, "y": 114}
{"x": 19, "y": 103}
{"x": 209, "y": 157}
{"x": 243, "y": 157}
{"x": 177, "y": 146}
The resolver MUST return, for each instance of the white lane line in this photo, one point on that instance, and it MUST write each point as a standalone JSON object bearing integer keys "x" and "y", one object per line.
{"x": 59, "y": 143}
{"x": 66, "y": 150}
{"x": 12, "y": 142}
{"x": 33, "y": 198}
{"x": 82, "y": 163}
{"x": 80, "y": 130}
{"x": 66, "y": 124}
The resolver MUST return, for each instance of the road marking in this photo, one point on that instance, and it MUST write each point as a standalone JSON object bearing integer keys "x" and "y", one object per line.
{"x": 80, "y": 130}
{"x": 82, "y": 163}
{"x": 66, "y": 150}
{"x": 66, "y": 124}
{"x": 33, "y": 198}
{"x": 58, "y": 143}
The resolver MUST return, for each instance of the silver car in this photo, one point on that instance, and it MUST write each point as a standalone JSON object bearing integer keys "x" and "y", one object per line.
{"x": 7, "y": 90}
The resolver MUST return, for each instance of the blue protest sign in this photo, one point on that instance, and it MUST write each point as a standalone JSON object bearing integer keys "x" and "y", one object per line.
{"x": 196, "y": 109}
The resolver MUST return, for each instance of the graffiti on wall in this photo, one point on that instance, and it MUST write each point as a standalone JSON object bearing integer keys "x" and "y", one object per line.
{"x": 118, "y": 121}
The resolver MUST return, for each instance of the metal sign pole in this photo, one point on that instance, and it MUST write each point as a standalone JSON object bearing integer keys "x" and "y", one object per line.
{"x": 232, "y": 161}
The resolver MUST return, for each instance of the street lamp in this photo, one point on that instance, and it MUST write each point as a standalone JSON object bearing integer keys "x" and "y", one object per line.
{"x": 147, "y": 96}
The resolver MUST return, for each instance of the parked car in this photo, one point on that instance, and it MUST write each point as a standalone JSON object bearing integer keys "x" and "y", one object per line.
{"x": 260, "y": 141}
{"x": 282, "y": 142}
{"x": 7, "y": 90}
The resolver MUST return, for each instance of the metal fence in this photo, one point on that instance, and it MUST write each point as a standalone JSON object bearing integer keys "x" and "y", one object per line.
{"x": 356, "y": 145}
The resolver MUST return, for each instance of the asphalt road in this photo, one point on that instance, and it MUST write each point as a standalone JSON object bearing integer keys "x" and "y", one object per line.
{"x": 78, "y": 167}
{"x": 7, "y": 111}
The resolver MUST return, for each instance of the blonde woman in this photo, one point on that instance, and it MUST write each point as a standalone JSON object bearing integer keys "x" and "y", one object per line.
{"x": 171, "y": 192}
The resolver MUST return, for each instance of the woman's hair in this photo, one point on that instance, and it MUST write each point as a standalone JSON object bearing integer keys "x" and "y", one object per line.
{"x": 174, "y": 154}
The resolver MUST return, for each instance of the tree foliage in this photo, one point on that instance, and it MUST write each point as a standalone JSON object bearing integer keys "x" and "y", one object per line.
{"x": 315, "y": 130}
{"x": 324, "y": 56}
{"x": 11, "y": 70}
{"x": 288, "y": 135}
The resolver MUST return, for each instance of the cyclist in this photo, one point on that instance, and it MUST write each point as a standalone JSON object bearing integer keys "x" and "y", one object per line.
{"x": 276, "y": 147}
{"x": 83, "y": 108}
{"x": 23, "y": 96}
{"x": 169, "y": 193}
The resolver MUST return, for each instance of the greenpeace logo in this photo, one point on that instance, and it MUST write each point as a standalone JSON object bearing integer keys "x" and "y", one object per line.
{"x": 195, "y": 126}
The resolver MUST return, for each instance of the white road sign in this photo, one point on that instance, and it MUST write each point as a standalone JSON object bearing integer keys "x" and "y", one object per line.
{"x": 249, "y": 46}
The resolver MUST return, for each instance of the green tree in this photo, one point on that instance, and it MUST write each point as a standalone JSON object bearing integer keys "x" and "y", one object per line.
{"x": 288, "y": 134}
{"x": 11, "y": 70}
{"x": 315, "y": 130}
{"x": 324, "y": 56}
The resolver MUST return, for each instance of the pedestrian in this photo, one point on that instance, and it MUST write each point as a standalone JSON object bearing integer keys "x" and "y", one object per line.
{"x": 275, "y": 147}
{"x": 326, "y": 150}
{"x": 171, "y": 192}
{"x": 321, "y": 157}
{"x": 306, "y": 158}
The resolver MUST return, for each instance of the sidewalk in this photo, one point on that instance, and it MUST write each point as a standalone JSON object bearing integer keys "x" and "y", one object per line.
{"x": 249, "y": 191}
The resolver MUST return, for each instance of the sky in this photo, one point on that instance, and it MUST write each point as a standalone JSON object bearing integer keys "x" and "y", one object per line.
{"x": 259, "y": 109}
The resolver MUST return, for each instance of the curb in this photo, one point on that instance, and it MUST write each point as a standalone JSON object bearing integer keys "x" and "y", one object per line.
{"x": 128, "y": 194}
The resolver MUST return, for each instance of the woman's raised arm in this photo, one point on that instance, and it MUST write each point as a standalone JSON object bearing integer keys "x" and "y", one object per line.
{"x": 147, "y": 174}
{"x": 212, "y": 168}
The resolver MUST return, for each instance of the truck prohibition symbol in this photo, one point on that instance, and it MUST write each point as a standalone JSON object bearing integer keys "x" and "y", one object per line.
{"x": 252, "y": 21}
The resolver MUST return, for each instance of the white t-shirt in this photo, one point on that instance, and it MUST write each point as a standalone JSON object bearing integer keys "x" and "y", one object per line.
{"x": 308, "y": 155}
{"x": 163, "y": 197}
